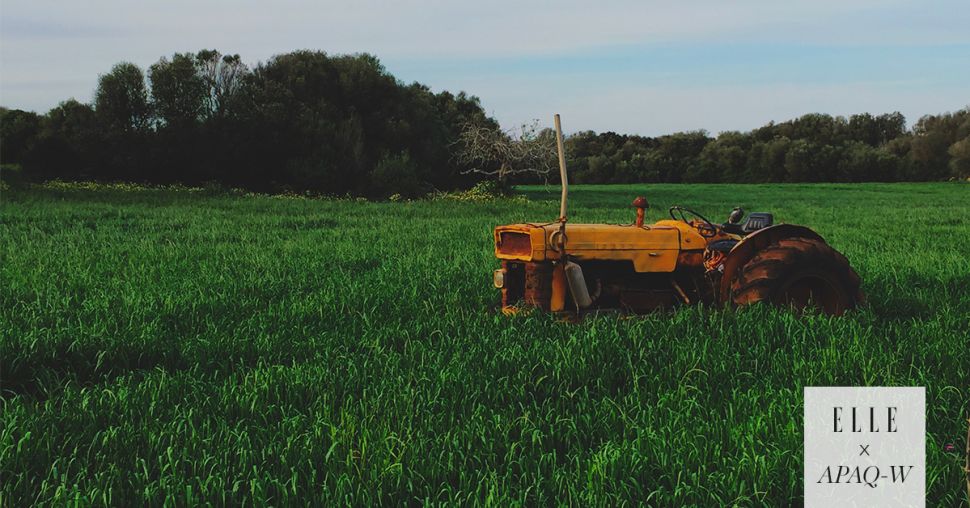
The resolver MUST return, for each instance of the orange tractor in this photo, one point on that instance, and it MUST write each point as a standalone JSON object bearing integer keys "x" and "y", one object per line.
{"x": 687, "y": 259}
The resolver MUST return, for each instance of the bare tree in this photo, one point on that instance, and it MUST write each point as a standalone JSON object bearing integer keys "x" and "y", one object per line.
{"x": 222, "y": 74}
{"x": 501, "y": 154}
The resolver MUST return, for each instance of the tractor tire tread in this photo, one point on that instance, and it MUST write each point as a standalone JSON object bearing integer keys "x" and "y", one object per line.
{"x": 762, "y": 275}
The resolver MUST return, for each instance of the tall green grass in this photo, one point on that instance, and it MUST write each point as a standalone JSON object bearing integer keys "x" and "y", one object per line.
{"x": 183, "y": 346}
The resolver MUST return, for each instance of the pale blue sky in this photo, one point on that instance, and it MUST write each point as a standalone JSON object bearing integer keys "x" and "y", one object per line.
{"x": 635, "y": 67}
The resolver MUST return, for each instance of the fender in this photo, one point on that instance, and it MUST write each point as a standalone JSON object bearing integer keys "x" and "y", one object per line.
{"x": 751, "y": 245}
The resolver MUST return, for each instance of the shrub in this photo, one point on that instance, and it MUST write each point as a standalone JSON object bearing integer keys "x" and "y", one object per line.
{"x": 396, "y": 175}
{"x": 11, "y": 176}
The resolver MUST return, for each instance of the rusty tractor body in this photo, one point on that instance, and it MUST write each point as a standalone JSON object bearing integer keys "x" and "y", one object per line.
{"x": 640, "y": 268}
{"x": 687, "y": 259}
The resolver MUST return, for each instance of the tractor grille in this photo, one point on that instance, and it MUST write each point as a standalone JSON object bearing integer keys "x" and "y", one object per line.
{"x": 527, "y": 283}
{"x": 514, "y": 244}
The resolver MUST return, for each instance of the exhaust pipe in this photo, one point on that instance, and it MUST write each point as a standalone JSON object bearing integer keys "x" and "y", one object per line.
{"x": 562, "y": 171}
{"x": 577, "y": 285}
{"x": 573, "y": 272}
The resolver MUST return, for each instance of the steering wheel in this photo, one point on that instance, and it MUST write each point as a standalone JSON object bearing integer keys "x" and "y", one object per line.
{"x": 706, "y": 229}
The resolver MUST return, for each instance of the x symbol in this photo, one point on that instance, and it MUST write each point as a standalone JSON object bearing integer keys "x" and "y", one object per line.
{"x": 865, "y": 451}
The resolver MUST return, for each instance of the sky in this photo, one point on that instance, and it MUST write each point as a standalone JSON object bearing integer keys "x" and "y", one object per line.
{"x": 638, "y": 67}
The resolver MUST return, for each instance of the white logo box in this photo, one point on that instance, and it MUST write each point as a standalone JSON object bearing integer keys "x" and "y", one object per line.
{"x": 865, "y": 446}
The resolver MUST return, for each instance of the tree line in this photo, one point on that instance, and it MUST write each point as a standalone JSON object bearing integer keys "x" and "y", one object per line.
{"x": 812, "y": 148}
{"x": 303, "y": 121}
{"x": 307, "y": 121}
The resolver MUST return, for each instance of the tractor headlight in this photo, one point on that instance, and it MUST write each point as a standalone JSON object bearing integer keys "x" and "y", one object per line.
{"x": 498, "y": 278}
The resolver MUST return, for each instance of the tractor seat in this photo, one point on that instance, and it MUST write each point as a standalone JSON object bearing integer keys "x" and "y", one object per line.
{"x": 756, "y": 221}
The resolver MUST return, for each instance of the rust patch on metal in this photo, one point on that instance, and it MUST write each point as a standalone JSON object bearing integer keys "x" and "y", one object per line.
{"x": 538, "y": 285}
{"x": 640, "y": 203}
{"x": 514, "y": 288}
{"x": 516, "y": 244}
{"x": 690, "y": 258}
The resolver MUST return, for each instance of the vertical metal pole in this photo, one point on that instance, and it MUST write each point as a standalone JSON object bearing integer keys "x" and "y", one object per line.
{"x": 562, "y": 171}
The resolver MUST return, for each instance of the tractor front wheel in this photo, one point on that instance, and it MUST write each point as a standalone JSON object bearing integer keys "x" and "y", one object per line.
{"x": 799, "y": 273}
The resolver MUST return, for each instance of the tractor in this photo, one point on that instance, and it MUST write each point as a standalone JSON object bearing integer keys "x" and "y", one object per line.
{"x": 687, "y": 259}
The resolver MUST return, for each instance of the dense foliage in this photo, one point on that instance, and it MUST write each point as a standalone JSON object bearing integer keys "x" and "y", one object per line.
{"x": 185, "y": 347}
{"x": 303, "y": 121}
{"x": 310, "y": 122}
{"x": 812, "y": 148}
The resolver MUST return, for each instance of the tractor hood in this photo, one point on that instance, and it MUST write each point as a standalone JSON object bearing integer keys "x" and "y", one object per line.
{"x": 652, "y": 248}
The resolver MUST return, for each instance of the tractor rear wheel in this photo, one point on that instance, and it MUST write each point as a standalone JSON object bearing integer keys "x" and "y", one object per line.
{"x": 799, "y": 273}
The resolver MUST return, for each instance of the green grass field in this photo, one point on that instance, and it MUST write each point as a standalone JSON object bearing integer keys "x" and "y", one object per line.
{"x": 183, "y": 346}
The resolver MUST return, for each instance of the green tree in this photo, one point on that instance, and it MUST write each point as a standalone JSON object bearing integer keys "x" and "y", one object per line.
{"x": 861, "y": 162}
{"x": 124, "y": 118}
{"x": 722, "y": 160}
{"x": 397, "y": 174}
{"x": 810, "y": 162}
{"x": 325, "y": 123}
{"x": 121, "y": 99}
{"x": 773, "y": 159}
{"x": 960, "y": 158}
{"x": 18, "y": 134}
{"x": 932, "y": 138}
{"x": 876, "y": 130}
{"x": 676, "y": 153}
{"x": 180, "y": 95}
{"x": 67, "y": 146}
